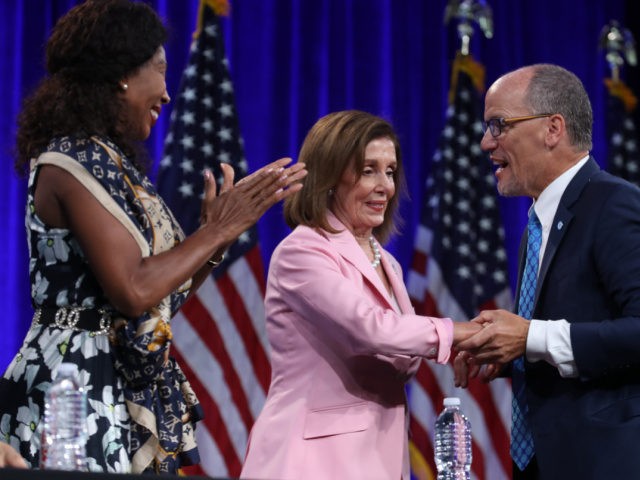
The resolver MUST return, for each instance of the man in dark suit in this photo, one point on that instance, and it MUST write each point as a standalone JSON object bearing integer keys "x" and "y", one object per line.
{"x": 574, "y": 346}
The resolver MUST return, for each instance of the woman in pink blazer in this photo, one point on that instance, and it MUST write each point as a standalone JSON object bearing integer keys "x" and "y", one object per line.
{"x": 344, "y": 337}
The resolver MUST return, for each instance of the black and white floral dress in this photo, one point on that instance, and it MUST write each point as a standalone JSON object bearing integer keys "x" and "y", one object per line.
{"x": 141, "y": 409}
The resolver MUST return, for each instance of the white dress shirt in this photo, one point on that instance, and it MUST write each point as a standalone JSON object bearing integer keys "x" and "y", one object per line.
{"x": 550, "y": 340}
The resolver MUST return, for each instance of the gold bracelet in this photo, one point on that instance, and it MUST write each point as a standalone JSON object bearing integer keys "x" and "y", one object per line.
{"x": 214, "y": 263}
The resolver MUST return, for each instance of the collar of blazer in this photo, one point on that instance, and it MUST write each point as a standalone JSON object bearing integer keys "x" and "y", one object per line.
{"x": 349, "y": 249}
{"x": 561, "y": 222}
{"x": 564, "y": 214}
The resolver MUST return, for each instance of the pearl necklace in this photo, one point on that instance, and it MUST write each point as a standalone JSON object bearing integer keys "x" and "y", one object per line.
{"x": 376, "y": 252}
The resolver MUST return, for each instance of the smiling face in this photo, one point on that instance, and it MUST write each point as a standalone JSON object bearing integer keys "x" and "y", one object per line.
{"x": 360, "y": 203}
{"x": 144, "y": 96}
{"x": 519, "y": 151}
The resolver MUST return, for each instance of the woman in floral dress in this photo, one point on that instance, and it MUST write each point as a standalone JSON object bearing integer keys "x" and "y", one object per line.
{"x": 109, "y": 265}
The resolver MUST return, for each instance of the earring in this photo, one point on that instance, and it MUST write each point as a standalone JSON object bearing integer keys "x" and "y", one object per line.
{"x": 330, "y": 191}
{"x": 124, "y": 86}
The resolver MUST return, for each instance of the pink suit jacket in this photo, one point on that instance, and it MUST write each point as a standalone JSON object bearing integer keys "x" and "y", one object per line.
{"x": 340, "y": 355}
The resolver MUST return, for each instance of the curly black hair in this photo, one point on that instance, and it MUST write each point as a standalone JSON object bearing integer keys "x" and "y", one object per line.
{"x": 91, "y": 48}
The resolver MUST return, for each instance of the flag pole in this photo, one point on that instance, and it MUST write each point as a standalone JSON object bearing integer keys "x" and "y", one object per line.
{"x": 466, "y": 12}
{"x": 459, "y": 265}
{"x": 219, "y": 335}
{"x": 623, "y": 158}
{"x": 619, "y": 44}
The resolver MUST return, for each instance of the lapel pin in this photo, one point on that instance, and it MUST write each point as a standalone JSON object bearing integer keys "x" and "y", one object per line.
{"x": 560, "y": 225}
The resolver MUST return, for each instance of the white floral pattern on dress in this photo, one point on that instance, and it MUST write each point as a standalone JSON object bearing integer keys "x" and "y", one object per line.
{"x": 60, "y": 276}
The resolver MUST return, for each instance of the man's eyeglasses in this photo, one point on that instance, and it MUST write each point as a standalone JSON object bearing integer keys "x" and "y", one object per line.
{"x": 496, "y": 125}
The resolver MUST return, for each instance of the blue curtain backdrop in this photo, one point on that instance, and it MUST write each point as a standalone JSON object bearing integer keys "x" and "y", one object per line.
{"x": 295, "y": 60}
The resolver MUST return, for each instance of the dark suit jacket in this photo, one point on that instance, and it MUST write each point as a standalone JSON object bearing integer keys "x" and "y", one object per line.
{"x": 589, "y": 427}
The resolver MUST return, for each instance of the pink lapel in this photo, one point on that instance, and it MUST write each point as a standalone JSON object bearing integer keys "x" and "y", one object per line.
{"x": 394, "y": 274}
{"x": 346, "y": 244}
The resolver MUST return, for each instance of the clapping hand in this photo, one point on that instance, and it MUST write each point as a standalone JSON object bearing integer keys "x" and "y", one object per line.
{"x": 238, "y": 206}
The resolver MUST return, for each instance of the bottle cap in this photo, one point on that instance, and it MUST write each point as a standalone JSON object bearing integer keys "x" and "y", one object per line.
{"x": 66, "y": 369}
{"x": 450, "y": 401}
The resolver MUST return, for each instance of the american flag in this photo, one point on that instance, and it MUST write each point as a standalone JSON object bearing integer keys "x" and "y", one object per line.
{"x": 623, "y": 156}
{"x": 219, "y": 335}
{"x": 459, "y": 268}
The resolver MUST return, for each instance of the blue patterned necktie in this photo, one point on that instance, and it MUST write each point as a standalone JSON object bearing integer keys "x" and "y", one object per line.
{"x": 521, "y": 439}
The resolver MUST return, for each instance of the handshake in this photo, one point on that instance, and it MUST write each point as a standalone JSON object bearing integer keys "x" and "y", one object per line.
{"x": 486, "y": 343}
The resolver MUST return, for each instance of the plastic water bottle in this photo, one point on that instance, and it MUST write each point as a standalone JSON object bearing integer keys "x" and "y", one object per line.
{"x": 64, "y": 436}
{"x": 453, "y": 442}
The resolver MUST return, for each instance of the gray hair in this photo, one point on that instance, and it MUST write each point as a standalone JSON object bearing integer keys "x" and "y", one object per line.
{"x": 553, "y": 89}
